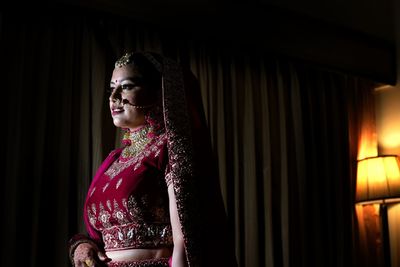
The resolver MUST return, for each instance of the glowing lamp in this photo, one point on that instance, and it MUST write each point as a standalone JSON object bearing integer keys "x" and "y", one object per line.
{"x": 378, "y": 180}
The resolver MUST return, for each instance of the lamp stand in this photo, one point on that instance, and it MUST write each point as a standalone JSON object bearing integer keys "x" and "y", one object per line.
{"x": 385, "y": 235}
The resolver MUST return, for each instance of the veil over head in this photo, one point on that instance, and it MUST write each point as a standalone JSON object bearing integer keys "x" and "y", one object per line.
{"x": 192, "y": 169}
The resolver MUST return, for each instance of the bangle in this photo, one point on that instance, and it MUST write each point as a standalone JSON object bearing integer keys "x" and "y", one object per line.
{"x": 75, "y": 241}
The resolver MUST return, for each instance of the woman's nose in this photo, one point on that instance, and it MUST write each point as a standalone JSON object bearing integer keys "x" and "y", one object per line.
{"x": 115, "y": 95}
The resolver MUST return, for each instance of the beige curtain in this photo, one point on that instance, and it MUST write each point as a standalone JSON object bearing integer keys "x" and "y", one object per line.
{"x": 281, "y": 134}
{"x": 279, "y": 129}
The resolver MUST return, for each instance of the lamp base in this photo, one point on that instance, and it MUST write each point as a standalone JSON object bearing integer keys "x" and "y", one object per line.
{"x": 385, "y": 235}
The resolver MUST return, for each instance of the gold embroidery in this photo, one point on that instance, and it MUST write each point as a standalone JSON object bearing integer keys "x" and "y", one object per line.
{"x": 94, "y": 208}
{"x": 104, "y": 216}
{"x": 105, "y": 186}
{"x": 168, "y": 179}
{"x": 180, "y": 151}
{"x": 133, "y": 235}
{"x": 119, "y": 214}
{"x": 92, "y": 216}
{"x": 118, "y": 166}
{"x": 108, "y": 203}
{"x": 160, "y": 262}
{"x": 134, "y": 210}
{"x": 91, "y": 193}
{"x": 119, "y": 183}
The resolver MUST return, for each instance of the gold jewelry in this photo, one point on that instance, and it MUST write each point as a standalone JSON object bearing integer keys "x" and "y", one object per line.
{"x": 138, "y": 140}
{"x": 89, "y": 262}
{"x": 127, "y": 59}
{"x": 142, "y": 107}
{"x": 124, "y": 60}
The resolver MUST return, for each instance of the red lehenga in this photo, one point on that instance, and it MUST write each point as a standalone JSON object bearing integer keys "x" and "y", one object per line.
{"x": 127, "y": 202}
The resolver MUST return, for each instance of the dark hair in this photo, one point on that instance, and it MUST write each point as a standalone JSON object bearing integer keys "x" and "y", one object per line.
{"x": 146, "y": 64}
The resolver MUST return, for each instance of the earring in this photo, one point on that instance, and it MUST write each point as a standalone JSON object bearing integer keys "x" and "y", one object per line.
{"x": 126, "y": 141}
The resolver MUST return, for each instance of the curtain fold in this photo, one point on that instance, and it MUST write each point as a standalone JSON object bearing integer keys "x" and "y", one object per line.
{"x": 363, "y": 143}
{"x": 44, "y": 122}
{"x": 280, "y": 133}
{"x": 283, "y": 150}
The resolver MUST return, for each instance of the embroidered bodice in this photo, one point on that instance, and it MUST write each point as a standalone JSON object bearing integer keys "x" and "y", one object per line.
{"x": 127, "y": 203}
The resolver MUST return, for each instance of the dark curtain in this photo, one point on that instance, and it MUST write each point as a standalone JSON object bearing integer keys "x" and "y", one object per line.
{"x": 53, "y": 110}
{"x": 280, "y": 132}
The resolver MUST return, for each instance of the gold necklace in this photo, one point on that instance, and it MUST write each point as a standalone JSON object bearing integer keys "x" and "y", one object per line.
{"x": 138, "y": 141}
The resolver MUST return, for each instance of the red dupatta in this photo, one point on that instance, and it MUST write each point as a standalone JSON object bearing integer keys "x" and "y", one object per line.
{"x": 193, "y": 172}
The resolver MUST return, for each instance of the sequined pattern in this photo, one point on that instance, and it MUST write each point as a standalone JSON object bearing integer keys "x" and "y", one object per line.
{"x": 153, "y": 148}
{"x": 119, "y": 214}
{"x": 163, "y": 262}
{"x": 137, "y": 236}
{"x": 104, "y": 216}
{"x": 180, "y": 149}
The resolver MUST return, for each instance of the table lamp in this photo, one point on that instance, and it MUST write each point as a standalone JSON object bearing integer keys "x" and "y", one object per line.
{"x": 378, "y": 181}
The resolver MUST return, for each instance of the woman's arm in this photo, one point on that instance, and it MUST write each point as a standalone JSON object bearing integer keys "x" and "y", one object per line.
{"x": 178, "y": 255}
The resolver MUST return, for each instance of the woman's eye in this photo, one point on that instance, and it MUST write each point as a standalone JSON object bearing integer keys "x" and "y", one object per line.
{"x": 110, "y": 89}
{"x": 127, "y": 86}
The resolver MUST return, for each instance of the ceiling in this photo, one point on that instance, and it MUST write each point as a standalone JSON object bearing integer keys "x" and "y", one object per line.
{"x": 371, "y": 17}
{"x": 354, "y": 36}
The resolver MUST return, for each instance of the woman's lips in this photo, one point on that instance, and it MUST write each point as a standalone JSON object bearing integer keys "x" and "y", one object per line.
{"x": 117, "y": 111}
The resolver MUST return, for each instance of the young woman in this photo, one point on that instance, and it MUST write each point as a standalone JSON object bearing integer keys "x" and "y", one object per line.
{"x": 156, "y": 201}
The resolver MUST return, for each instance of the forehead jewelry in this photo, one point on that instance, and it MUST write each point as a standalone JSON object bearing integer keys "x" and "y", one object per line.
{"x": 127, "y": 59}
{"x": 124, "y": 60}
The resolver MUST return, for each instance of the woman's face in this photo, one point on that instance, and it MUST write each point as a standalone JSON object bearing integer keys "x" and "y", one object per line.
{"x": 129, "y": 94}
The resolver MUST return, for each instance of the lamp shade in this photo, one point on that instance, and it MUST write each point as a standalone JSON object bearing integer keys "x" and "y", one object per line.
{"x": 378, "y": 179}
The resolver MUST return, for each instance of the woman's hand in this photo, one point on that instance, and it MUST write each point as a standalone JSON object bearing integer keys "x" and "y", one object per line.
{"x": 88, "y": 255}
